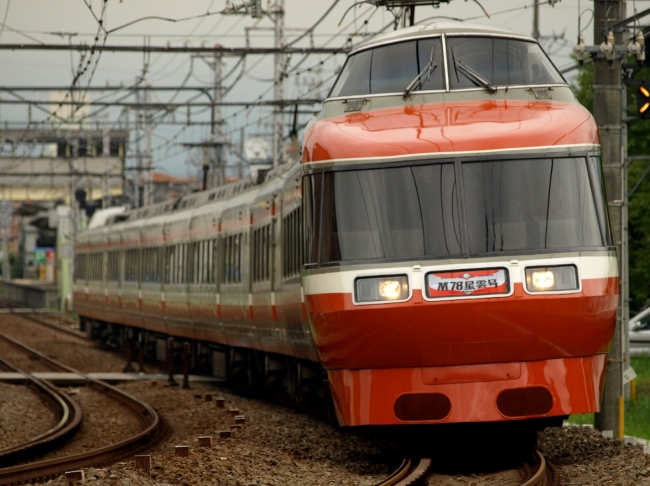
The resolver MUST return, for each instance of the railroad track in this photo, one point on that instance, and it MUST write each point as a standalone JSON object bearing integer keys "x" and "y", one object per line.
{"x": 69, "y": 415}
{"x": 32, "y": 314}
{"x": 151, "y": 429}
{"x": 416, "y": 472}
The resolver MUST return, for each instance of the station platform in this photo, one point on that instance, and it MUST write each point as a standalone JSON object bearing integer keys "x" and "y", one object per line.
{"x": 31, "y": 293}
{"x": 63, "y": 379}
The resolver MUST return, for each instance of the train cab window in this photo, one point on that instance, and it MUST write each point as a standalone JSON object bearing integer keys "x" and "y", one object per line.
{"x": 530, "y": 205}
{"x": 397, "y": 212}
{"x": 499, "y": 61}
{"x": 391, "y": 68}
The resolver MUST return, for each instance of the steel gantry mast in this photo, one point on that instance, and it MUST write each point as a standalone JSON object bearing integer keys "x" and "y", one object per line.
{"x": 278, "y": 76}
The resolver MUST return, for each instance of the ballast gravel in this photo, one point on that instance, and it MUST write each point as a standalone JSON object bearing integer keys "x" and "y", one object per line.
{"x": 585, "y": 457}
{"x": 17, "y": 425}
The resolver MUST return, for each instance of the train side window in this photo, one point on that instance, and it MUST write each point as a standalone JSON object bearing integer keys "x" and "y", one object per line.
{"x": 183, "y": 260}
{"x": 170, "y": 262}
{"x": 292, "y": 244}
{"x": 262, "y": 254}
{"x": 77, "y": 267}
{"x": 191, "y": 269}
{"x": 231, "y": 271}
{"x": 112, "y": 273}
{"x": 311, "y": 202}
{"x": 130, "y": 266}
{"x": 214, "y": 259}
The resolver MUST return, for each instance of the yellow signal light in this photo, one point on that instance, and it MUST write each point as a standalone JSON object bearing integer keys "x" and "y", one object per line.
{"x": 645, "y": 92}
{"x": 644, "y": 108}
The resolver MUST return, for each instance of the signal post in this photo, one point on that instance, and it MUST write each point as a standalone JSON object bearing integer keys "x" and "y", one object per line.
{"x": 609, "y": 94}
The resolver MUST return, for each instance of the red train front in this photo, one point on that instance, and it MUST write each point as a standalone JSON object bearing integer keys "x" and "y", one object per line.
{"x": 459, "y": 261}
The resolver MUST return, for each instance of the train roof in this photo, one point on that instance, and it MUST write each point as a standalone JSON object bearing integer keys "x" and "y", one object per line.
{"x": 436, "y": 28}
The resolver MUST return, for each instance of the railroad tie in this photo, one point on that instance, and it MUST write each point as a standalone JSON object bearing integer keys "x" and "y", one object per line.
{"x": 182, "y": 451}
{"x": 205, "y": 441}
{"x": 74, "y": 476}
{"x": 143, "y": 464}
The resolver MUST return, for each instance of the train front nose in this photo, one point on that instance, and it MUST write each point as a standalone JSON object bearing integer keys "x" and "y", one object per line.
{"x": 441, "y": 353}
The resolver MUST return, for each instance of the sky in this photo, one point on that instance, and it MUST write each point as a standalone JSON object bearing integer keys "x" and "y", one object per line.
{"x": 203, "y": 23}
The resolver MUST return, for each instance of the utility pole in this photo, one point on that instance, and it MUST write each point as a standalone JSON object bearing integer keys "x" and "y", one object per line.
{"x": 6, "y": 232}
{"x": 218, "y": 170}
{"x": 74, "y": 216}
{"x": 106, "y": 152}
{"x": 139, "y": 186}
{"x": 536, "y": 19}
{"x": 147, "y": 176}
{"x": 278, "y": 91}
{"x": 608, "y": 103}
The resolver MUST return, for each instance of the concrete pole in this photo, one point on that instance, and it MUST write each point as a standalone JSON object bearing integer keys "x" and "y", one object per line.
{"x": 139, "y": 186}
{"x": 218, "y": 169}
{"x": 278, "y": 91}
{"x": 536, "y": 20}
{"x": 6, "y": 232}
{"x": 106, "y": 152}
{"x": 148, "y": 156}
{"x": 608, "y": 93}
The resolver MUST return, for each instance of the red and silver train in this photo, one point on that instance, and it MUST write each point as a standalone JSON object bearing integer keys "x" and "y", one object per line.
{"x": 441, "y": 253}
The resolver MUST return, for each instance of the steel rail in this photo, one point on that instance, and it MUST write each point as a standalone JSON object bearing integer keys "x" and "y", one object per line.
{"x": 147, "y": 416}
{"x": 539, "y": 477}
{"x": 68, "y": 410}
{"x": 537, "y": 473}
{"x": 31, "y": 316}
{"x": 418, "y": 476}
{"x": 397, "y": 475}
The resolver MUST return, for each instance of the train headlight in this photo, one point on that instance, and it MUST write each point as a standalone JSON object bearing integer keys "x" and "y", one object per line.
{"x": 381, "y": 289}
{"x": 550, "y": 279}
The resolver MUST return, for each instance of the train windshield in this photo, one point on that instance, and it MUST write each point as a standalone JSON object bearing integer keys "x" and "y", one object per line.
{"x": 528, "y": 205}
{"x": 472, "y": 61}
{"x": 500, "y": 61}
{"x": 390, "y": 68}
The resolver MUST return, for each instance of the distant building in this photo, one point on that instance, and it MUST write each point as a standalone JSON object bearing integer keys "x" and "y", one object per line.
{"x": 43, "y": 164}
